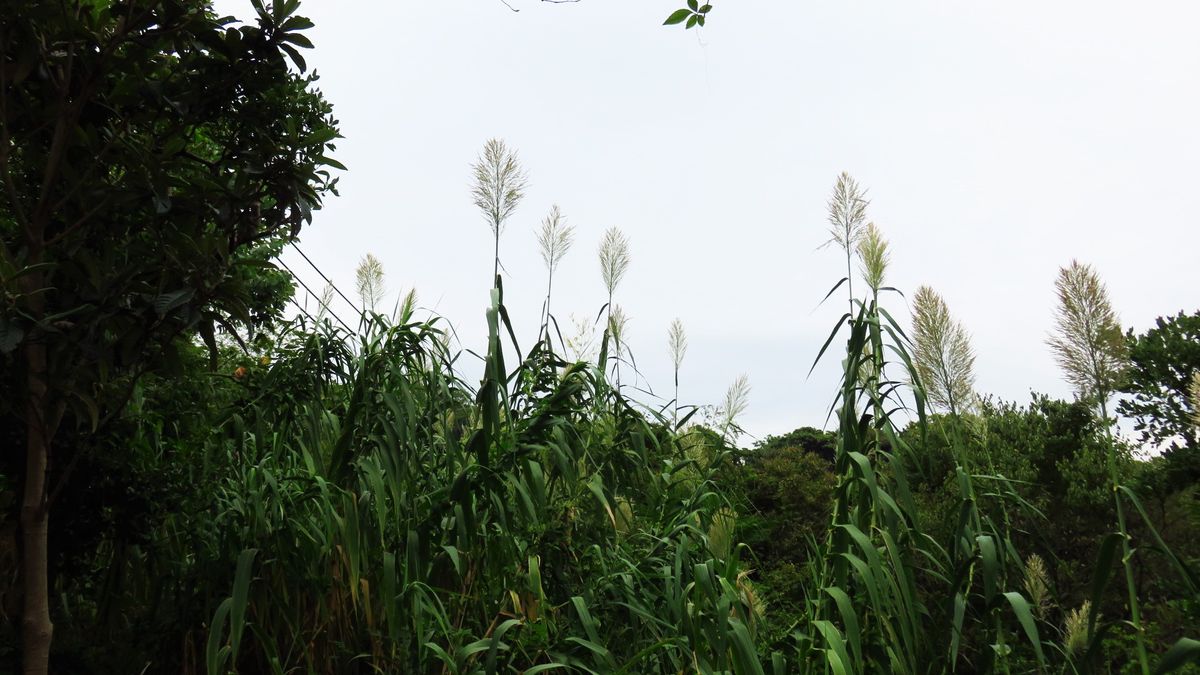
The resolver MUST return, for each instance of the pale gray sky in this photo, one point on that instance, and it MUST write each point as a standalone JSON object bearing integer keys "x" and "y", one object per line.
{"x": 998, "y": 141}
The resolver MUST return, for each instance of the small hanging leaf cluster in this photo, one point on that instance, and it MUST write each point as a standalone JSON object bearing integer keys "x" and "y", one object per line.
{"x": 690, "y": 16}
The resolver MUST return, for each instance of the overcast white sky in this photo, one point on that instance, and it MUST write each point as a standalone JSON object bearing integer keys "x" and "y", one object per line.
{"x": 998, "y": 141}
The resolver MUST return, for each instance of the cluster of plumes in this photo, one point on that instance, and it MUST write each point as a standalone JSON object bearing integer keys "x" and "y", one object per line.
{"x": 614, "y": 263}
{"x": 1087, "y": 340}
{"x": 849, "y": 229}
{"x": 499, "y": 185}
{"x": 943, "y": 358}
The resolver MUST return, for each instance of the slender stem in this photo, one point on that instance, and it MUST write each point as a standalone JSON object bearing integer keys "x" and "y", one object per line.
{"x": 1126, "y": 555}
{"x": 849, "y": 279}
{"x": 675, "y": 422}
{"x": 496, "y": 255}
{"x": 37, "y": 629}
{"x": 546, "y": 318}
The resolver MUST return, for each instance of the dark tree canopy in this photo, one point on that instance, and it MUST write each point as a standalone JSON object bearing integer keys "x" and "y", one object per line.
{"x": 1162, "y": 363}
{"x": 153, "y": 156}
{"x": 149, "y": 132}
{"x": 815, "y": 441}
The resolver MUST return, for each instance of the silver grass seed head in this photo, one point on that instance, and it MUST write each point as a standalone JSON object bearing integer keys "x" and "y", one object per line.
{"x": 737, "y": 400}
{"x": 618, "y": 328}
{"x": 1087, "y": 342}
{"x": 554, "y": 238}
{"x": 847, "y": 211}
{"x": 614, "y": 258}
{"x": 873, "y": 256}
{"x": 499, "y": 184}
{"x": 1037, "y": 584}
{"x": 369, "y": 280}
{"x": 408, "y": 305}
{"x": 677, "y": 340}
{"x": 942, "y": 353}
{"x": 1075, "y": 630}
{"x": 323, "y": 301}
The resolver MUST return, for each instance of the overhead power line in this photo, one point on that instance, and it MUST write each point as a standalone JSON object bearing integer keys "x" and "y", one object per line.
{"x": 327, "y": 279}
{"x": 327, "y": 308}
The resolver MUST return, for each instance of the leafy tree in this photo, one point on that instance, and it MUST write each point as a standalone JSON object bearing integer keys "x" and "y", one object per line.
{"x": 1087, "y": 342}
{"x": 942, "y": 353}
{"x": 813, "y": 441}
{"x": 1049, "y": 466}
{"x": 1163, "y": 362}
{"x": 145, "y": 148}
{"x": 785, "y": 486}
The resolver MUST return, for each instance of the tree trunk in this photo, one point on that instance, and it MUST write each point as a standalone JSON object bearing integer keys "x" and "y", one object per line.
{"x": 36, "y": 629}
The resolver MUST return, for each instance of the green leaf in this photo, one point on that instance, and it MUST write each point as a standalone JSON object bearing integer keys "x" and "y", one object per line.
{"x": 678, "y": 16}
{"x": 166, "y": 302}
{"x": 1182, "y": 568}
{"x": 295, "y": 23}
{"x": 545, "y": 667}
{"x": 215, "y": 655}
{"x": 692, "y": 20}
{"x": 298, "y": 40}
{"x": 208, "y": 334}
{"x": 849, "y": 620}
{"x": 743, "y": 649}
{"x": 240, "y": 598}
{"x": 1183, "y": 652}
{"x": 1100, "y": 576}
{"x": 294, "y": 54}
{"x": 10, "y": 335}
{"x": 693, "y": 5}
{"x": 1024, "y": 614}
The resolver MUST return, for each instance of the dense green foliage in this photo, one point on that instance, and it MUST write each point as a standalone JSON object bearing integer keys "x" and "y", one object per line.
{"x": 317, "y": 499}
{"x": 339, "y": 503}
